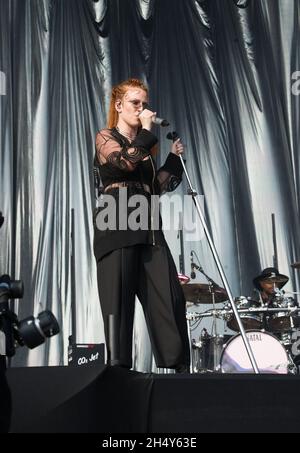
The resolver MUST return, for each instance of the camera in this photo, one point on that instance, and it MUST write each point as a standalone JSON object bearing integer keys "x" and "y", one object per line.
{"x": 31, "y": 331}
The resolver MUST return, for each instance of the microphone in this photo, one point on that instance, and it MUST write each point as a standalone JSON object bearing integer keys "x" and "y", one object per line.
{"x": 193, "y": 273}
{"x": 159, "y": 121}
{"x": 172, "y": 136}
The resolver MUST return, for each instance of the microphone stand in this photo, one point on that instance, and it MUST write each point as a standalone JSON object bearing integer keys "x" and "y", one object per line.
{"x": 181, "y": 256}
{"x": 275, "y": 257}
{"x": 211, "y": 282}
{"x": 73, "y": 336}
{"x": 192, "y": 192}
{"x": 1, "y": 219}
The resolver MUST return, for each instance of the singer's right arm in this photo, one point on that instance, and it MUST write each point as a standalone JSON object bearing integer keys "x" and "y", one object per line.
{"x": 124, "y": 157}
{"x": 146, "y": 118}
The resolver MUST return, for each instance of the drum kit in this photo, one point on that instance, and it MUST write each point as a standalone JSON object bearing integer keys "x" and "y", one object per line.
{"x": 270, "y": 326}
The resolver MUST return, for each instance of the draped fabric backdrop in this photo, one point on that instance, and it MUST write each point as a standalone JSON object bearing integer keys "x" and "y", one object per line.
{"x": 221, "y": 71}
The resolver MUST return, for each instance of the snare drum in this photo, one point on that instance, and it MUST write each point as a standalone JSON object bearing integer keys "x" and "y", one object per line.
{"x": 249, "y": 320}
{"x": 270, "y": 355}
{"x": 282, "y": 321}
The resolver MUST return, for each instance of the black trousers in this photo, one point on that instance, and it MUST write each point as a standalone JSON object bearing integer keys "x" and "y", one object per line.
{"x": 149, "y": 273}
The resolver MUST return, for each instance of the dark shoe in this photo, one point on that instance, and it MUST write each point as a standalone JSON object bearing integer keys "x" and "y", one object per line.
{"x": 182, "y": 369}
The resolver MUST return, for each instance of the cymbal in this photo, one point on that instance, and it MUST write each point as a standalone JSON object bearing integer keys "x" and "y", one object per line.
{"x": 296, "y": 265}
{"x": 197, "y": 293}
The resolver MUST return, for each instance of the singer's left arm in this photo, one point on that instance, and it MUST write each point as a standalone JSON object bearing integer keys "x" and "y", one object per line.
{"x": 170, "y": 174}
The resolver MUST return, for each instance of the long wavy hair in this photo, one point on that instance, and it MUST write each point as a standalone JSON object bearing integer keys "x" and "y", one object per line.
{"x": 118, "y": 93}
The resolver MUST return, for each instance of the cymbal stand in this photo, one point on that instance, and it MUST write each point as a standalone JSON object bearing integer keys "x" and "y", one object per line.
{"x": 291, "y": 317}
{"x": 212, "y": 286}
{"x": 192, "y": 192}
{"x": 214, "y": 323}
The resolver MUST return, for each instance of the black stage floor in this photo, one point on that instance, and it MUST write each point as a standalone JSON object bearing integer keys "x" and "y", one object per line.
{"x": 114, "y": 400}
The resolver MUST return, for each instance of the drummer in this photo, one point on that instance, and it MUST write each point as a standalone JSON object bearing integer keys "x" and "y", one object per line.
{"x": 267, "y": 282}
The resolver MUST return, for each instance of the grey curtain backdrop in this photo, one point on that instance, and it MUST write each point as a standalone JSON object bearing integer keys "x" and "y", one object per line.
{"x": 224, "y": 74}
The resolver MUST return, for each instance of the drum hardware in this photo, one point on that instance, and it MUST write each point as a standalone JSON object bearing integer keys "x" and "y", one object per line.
{"x": 296, "y": 265}
{"x": 222, "y": 314}
{"x": 286, "y": 339}
{"x": 192, "y": 316}
{"x": 215, "y": 351}
{"x": 196, "y": 365}
{"x": 263, "y": 310}
{"x": 292, "y": 367}
{"x": 207, "y": 352}
{"x": 200, "y": 353}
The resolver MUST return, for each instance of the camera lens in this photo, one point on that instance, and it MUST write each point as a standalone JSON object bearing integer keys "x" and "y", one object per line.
{"x": 33, "y": 331}
{"x": 16, "y": 289}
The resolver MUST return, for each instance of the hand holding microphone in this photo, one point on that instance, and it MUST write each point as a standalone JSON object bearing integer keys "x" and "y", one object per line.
{"x": 147, "y": 118}
{"x": 177, "y": 146}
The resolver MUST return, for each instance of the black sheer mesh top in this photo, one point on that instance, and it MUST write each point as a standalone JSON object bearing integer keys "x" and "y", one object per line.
{"x": 118, "y": 160}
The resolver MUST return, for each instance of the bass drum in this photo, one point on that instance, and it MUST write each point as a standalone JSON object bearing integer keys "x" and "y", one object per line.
{"x": 270, "y": 355}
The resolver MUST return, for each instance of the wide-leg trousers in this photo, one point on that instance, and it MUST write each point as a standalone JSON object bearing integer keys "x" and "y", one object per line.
{"x": 149, "y": 273}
